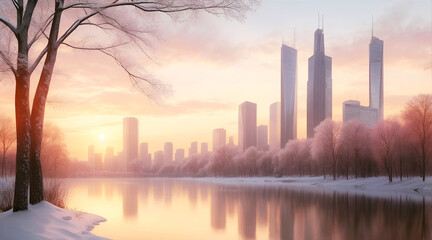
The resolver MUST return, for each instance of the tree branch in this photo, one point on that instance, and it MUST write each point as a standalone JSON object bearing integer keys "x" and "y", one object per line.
{"x": 9, "y": 25}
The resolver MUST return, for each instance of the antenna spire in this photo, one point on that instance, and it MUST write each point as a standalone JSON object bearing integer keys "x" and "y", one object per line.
{"x": 318, "y": 20}
{"x": 322, "y": 27}
{"x": 372, "y": 26}
{"x": 294, "y": 39}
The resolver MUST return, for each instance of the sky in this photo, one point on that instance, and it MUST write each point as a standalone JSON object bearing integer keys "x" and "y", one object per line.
{"x": 210, "y": 64}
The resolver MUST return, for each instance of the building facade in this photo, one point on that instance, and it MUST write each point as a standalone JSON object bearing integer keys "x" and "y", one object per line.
{"x": 130, "y": 142}
{"x": 168, "y": 152}
{"x": 275, "y": 126}
{"x": 376, "y": 83}
{"x": 247, "y": 125}
{"x": 262, "y": 138}
{"x": 219, "y": 138}
{"x": 288, "y": 94}
{"x": 319, "y": 85}
{"x": 353, "y": 110}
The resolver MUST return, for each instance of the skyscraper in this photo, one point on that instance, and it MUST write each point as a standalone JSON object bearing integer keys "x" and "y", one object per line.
{"x": 130, "y": 141}
{"x": 219, "y": 138}
{"x": 204, "y": 147}
{"x": 247, "y": 127}
{"x": 288, "y": 94}
{"x": 193, "y": 148}
{"x": 168, "y": 152}
{"x": 262, "y": 137}
{"x": 275, "y": 126}
{"x": 179, "y": 155}
{"x": 319, "y": 85}
{"x": 376, "y": 84}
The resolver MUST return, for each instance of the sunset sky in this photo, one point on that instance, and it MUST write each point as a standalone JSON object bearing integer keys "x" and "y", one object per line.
{"x": 212, "y": 64}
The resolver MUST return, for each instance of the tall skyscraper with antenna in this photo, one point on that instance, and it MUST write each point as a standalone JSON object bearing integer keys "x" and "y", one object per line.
{"x": 288, "y": 94}
{"x": 319, "y": 85}
{"x": 376, "y": 83}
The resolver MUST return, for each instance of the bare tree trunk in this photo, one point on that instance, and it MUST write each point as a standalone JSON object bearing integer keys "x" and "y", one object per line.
{"x": 38, "y": 110}
{"x": 22, "y": 114}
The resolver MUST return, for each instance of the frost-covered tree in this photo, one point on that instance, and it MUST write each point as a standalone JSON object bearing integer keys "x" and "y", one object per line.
{"x": 418, "y": 120}
{"x": 33, "y": 31}
{"x": 325, "y": 146}
{"x": 289, "y": 157}
{"x": 7, "y": 139}
{"x": 353, "y": 142}
{"x": 385, "y": 136}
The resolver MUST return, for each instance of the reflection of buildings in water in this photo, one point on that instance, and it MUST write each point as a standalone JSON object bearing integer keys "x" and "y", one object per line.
{"x": 130, "y": 200}
{"x": 247, "y": 213}
{"x": 262, "y": 209}
{"x": 95, "y": 188}
{"x": 158, "y": 188}
{"x": 203, "y": 192}
{"x": 193, "y": 194}
{"x": 299, "y": 224}
{"x": 167, "y": 193}
{"x": 274, "y": 219}
{"x": 218, "y": 207}
{"x": 286, "y": 217}
{"x": 144, "y": 193}
{"x": 109, "y": 189}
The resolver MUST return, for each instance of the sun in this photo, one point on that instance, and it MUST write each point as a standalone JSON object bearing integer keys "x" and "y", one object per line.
{"x": 102, "y": 137}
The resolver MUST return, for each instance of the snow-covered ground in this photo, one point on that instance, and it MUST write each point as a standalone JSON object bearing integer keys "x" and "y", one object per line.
{"x": 413, "y": 188}
{"x": 46, "y": 221}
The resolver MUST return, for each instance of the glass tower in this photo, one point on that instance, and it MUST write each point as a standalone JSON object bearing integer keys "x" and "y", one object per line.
{"x": 319, "y": 85}
{"x": 288, "y": 94}
{"x": 376, "y": 100}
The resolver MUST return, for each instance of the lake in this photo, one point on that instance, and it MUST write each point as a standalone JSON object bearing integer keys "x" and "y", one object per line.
{"x": 193, "y": 209}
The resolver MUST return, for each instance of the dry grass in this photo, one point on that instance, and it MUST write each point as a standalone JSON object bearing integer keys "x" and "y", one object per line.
{"x": 55, "y": 192}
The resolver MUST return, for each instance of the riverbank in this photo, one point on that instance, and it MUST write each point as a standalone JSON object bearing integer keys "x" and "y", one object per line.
{"x": 413, "y": 187}
{"x": 46, "y": 221}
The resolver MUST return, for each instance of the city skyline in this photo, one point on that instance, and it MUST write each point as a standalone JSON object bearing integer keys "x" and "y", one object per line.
{"x": 236, "y": 59}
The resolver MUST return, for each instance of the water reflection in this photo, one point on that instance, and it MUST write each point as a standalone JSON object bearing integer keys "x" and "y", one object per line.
{"x": 198, "y": 210}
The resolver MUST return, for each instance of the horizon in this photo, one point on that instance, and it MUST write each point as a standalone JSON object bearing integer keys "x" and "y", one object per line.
{"x": 224, "y": 59}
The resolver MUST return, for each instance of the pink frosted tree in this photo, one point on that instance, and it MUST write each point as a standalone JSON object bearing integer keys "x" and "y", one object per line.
{"x": 324, "y": 146}
{"x": 353, "y": 142}
{"x": 289, "y": 157}
{"x": 418, "y": 119}
{"x": 385, "y": 137}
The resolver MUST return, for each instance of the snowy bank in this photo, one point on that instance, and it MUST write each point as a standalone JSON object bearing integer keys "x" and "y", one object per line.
{"x": 412, "y": 188}
{"x": 46, "y": 221}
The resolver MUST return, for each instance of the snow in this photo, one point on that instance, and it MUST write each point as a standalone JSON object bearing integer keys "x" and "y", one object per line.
{"x": 412, "y": 188}
{"x": 46, "y": 221}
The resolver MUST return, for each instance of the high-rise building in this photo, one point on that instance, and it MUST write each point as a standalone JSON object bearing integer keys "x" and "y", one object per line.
{"x": 109, "y": 158}
{"x": 219, "y": 138}
{"x": 130, "y": 142}
{"x": 353, "y": 110}
{"x": 231, "y": 141}
{"x": 168, "y": 152}
{"x": 247, "y": 125}
{"x": 275, "y": 126}
{"x": 288, "y": 94}
{"x": 158, "y": 159}
{"x": 98, "y": 161}
{"x": 193, "y": 148}
{"x": 262, "y": 138}
{"x": 179, "y": 155}
{"x": 91, "y": 157}
{"x": 376, "y": 83}
{"x": 144, "y": 155}
{"x": 204, "y": 147}
{"x": 319, "y": 85}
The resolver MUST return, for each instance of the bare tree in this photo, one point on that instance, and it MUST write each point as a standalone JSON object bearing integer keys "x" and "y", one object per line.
{"x": 42, "y": 23}
{"x": 385, "y": 136}
{"x": 353, "y": 140}
{"x": 7, "y": 139}
{"x": 418, "y": 119}
{"x": 324, "y": 145}
{"x": 54, "y": 155}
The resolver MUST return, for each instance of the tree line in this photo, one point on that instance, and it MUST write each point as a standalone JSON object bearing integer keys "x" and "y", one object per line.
{"x": 397, "y": 146}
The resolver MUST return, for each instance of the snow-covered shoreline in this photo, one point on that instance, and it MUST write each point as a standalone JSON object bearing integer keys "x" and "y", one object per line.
{"x": 412, "y": 188}
{"x": 46, "y": 221}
